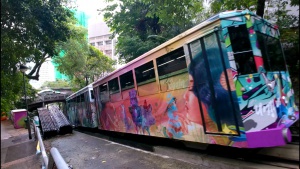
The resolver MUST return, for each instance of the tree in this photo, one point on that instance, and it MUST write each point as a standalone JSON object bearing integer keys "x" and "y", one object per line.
{"x": 81, "y": 62}
{"x": 92, "y": 69}
{"x": 224, "y": 5}
{"x": 56, "y": 84}
{"x": 12, "y": 91}
{"x": 30, "y": 30}
{"x": 73, "y": 52}
{"x": 142, "y": 25}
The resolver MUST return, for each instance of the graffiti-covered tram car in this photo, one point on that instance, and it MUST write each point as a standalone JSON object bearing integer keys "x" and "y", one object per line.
{"x": 221, "y": 82}
{"x": 81, "y": 109}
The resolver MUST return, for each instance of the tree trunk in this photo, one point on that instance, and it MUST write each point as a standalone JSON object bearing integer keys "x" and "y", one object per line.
{"x": 86, "y": 81}
{"x": 260, "y": 7}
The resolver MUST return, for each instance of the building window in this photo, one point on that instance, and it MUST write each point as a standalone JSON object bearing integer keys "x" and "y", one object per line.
{"x": 100, "y": 43}
{"x": 108, "y": 42}
{"x": 108, "y": 52}
{"x": 93, "y": 44}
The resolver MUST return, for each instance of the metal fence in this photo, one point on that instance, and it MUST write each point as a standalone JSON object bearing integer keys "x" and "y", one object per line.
{"x": 55, "y": 160}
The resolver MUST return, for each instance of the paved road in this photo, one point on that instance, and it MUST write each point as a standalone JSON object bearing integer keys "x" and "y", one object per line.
{"x": 84, "y": 151}
{"x": 17, "y": 151}
{"x": 89, "y": 152}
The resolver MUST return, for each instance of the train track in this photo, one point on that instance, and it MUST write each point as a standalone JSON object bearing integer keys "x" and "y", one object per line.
{"x": 282, "y": 157}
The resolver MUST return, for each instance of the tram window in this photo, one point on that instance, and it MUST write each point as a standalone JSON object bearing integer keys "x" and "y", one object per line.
{"x": 242, "y": 51}
{"x": 271, "y": 52}
{"x": 103, "y": 92}
{"x": 195, "y": 48}
{"x": 92, "y": 94}
{"x": 113, "y": 86}
{"x": 103, "y": 88}
{"x": 126, "y": 81}
{"x": 171, "y": 64}
{"x": 145, "y": 73}
{"x": 81, "y": 98}
{"x": 239, "y": 38}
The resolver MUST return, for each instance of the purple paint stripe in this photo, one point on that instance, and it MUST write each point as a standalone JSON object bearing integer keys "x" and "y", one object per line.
{"x": 268, "y": 138}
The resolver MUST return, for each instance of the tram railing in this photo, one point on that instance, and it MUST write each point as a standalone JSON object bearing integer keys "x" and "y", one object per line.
{"x": 56, "y": 160}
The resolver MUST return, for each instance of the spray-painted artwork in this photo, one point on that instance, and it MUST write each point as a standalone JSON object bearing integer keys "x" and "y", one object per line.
{"x": 266, "y": 99}
{"x": 18, "y": 117}
{"x": 88, "y": 115}
{"x": 209, "y": 101}
{"x": 82, "y": 113}
{"x": 71, "y": 112}
{"x": 171, "y": 114}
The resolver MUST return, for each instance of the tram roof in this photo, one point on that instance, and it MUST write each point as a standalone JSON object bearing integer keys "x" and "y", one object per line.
{"x": 80, "y": 91}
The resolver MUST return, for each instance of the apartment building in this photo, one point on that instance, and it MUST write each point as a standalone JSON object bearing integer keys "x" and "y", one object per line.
{"x": 100, "y": 37}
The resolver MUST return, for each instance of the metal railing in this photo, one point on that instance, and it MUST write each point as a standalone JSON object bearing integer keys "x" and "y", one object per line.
{"x": 49, "y": 98}
{"x": 56, "y": 160}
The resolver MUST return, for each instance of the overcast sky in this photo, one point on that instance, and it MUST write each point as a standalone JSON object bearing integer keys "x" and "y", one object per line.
{"x": 90, "y": 8}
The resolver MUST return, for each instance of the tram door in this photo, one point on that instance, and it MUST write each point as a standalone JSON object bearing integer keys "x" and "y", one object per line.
{"x": 212, "y": 77}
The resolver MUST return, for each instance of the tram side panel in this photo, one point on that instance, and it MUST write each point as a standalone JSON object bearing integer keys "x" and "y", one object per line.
{"x": 166, "y": 114}
{"x": 178, "y": 105}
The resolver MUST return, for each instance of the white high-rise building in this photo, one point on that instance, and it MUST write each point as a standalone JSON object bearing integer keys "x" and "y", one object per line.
{"x": 46, "y": 74}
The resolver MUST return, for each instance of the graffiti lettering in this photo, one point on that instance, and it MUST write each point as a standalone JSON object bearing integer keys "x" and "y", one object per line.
{"x": 269, "y": 108}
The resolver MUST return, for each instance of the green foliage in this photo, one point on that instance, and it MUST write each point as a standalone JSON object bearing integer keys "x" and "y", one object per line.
{"x": 81, "y": 62}
{"x": 12, "y": 91}
{"x": 217, "y": 6}
{"x": 97, "y": 64}
{"x": 142, "y": 25}
{"x": 11, "y": 86}
{"x": 30, "y": 30}
{"x": 74, "y": 52}
{"x": 130, "y": 47}
{"x": 294, "y": 2}
{"x": 56, "y": 84}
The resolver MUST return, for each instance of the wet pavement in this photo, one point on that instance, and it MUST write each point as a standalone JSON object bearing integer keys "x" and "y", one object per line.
{"x": 89, "y": 152}
{"x": 8, "y": 130}
{"x": 17, "y": 151}
{"x": 84, "y": 151}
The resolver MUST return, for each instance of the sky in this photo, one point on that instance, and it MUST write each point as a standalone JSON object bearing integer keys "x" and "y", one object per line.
{"x": 90, "y": 8}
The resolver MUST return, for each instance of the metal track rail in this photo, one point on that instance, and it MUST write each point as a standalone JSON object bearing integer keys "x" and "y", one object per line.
{"x": 287, "y": 152}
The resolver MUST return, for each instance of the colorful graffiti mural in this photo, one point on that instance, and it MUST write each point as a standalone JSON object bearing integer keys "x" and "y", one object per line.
{"x": 81, "y": 109}
{"x": 208, "y": 99}
{"x": 266, "y": 99}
